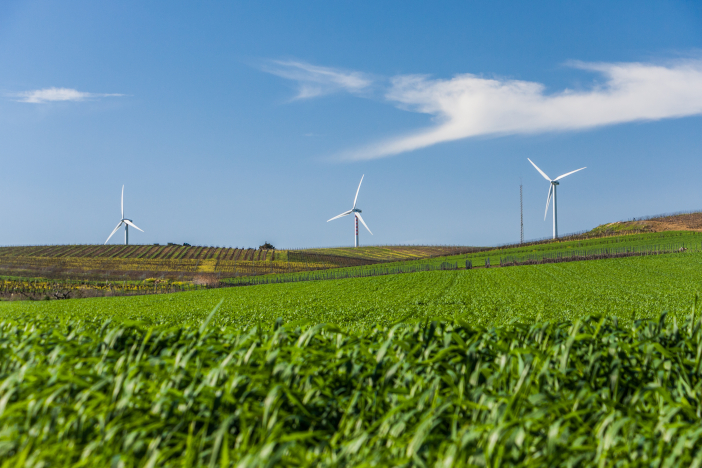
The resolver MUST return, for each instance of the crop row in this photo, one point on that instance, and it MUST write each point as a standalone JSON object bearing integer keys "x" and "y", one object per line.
{"x": 153, "y": 252}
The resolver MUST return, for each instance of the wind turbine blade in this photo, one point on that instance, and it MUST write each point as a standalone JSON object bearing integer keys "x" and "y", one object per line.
{"x": 540, "y": 171}
{"x": 113, "y": 232}
{"x": 132, "y": 225}
{"x": 357, "y": 190}
{"x": 548, "y": 199}
{"x": 358, "y": 215}
{"x": 571, "y": 172}
{"x": 341, "y": 215}
{"x": 122, "y": 201}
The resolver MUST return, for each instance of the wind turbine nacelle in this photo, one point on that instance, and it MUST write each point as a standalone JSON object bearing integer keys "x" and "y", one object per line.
{"x": 357, "y": 211}
{"x": 555, "y": 182}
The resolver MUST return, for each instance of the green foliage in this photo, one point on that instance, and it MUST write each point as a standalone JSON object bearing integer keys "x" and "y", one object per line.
{"x": 434, "y": 394}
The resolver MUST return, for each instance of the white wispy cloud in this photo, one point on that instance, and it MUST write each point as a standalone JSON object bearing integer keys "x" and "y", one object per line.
{"x": 39, "y": 96}
{"x": 468, "y": 105}
{"x": 314, "y": 80}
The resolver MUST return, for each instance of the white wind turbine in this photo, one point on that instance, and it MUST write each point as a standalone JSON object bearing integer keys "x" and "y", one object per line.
{"x": 126, "y": 222}
{"x": 552, "y": 191}
{"x": 355, "y": 211}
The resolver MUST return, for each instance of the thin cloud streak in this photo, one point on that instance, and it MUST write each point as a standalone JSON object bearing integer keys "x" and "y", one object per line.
{"x": 40, "y": 96}
{"x": 468, "y": 105}
{"x": 314, "y": 80}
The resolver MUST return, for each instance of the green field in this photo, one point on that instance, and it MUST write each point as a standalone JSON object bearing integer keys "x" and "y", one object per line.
{"x": 644, "y": 286}
{"x": 78, "y": 272}
{"x": 591, "y": 393}
{"x": 689, "y": 238}
{"x": 481, "y": 367}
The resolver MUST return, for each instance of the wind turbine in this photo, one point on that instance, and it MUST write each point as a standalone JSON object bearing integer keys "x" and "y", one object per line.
{"x": 355, "y": 211}
{"x": 126, "y": 222}
{"x": 552, "y": 191}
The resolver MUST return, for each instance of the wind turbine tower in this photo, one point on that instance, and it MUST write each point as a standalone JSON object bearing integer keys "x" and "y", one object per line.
{"x": 552, "y": 192}
{"x": 126, "y": 222}
{"x": 521, "y": 214}
{"x": 356, "y": 212}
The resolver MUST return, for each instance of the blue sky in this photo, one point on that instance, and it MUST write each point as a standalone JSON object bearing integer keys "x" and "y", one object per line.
{"x": 232, "y": 123}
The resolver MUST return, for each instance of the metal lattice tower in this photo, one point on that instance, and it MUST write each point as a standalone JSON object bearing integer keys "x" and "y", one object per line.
{"x": 521, "y": 214}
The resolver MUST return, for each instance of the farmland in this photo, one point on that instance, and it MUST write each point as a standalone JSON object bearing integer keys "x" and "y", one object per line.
{"x": 529, "y": 365}
{"x": 178, "y": 263}
{"x": 50, "y": 277}
{"x": 224, "y": 254}
{"x": 42, "y": 289}
{"x": 249, "y": 377}
{"x": 690, "y": 239}
{"x": 150, "y": 252}
{"x": 214, "y": 264}
{"x": 608, "y": 247}
{"x": 392, "y": 253}
{"x": 181, "y": 263}
{"x": 587, "y": 362}
{"x": 635, "y": 286}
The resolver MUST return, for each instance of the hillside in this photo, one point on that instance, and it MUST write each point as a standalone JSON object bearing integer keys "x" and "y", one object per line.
{"x": 211, "y": 265}
{"x": 658, "y": 223}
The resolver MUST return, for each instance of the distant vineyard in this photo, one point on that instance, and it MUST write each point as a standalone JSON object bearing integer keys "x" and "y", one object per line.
{"x": 303, "y": 256}
{"x": 336, "y": 255}
{"x": 146, "y": 252}
{"x": 392, "y": 253}
{"x": 186, "y": 263}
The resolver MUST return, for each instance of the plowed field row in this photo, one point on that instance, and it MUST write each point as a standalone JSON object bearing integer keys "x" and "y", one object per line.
{"x": 153, "y": 252}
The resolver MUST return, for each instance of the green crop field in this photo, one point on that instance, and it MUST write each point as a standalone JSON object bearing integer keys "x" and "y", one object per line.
{"x": 689, "y": 238}
{"x": 211, "y": 265}
{"x": 644, "y": 286}
{"x": 446, "y": 394}
{"x": 643, "y": 244}
{"x": 543, "y": 365}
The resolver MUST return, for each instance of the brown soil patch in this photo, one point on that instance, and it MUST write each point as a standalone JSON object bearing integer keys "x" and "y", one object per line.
{"x": 682, "y": 222}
